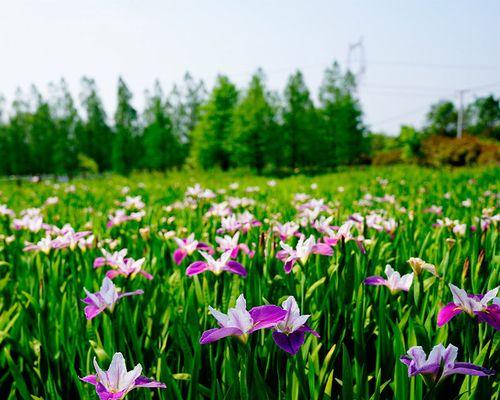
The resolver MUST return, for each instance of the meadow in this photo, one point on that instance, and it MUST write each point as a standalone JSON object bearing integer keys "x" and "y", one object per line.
{"x": 437, "y": 227}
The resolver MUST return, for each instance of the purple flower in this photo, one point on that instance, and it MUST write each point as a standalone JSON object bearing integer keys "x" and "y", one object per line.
{"x": 395, "y": 282}
{"x": 110, "y": 259}
{"x": 223, "y": 263}
{"x": 302, "y": 251}
{"x": 105, "y": 298}
{"x": 472, "y": 304}
{"x": 228, "y": 244}
{"x": 187, "y": 247}
{"x": 290, "y": 332}
{"x": 116, "y": 382}
{"x": 240, "y": 322}
{"x": 44, "y": 245}
{"x": 286, "y": 230}
{"x": 440, "y": 363}
{"x": 129, "y": 268}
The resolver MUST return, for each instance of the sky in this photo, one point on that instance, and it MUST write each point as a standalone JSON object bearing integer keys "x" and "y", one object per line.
{"x": 416, "y": 51}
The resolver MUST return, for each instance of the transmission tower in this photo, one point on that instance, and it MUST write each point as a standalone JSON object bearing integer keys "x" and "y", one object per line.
{"x": 356, "y": 61}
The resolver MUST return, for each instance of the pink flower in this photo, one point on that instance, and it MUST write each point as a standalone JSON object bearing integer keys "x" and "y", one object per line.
{"x": 223, "y": 263}
{"x": 188, "y": 246}
{"x": 116, "y": 382}
{"x": 231, "y": 245}
{"x": 105, "y": 298}
{"x": 472, "y": 304}
{"x": 395, "y": 282}
{"x": 301, "y": 252}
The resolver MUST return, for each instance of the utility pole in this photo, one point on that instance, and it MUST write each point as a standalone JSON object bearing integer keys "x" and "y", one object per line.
{"x": 460, "y": 115}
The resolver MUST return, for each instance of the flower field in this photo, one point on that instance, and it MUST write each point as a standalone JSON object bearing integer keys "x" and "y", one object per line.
{"x": 366, "y": 284}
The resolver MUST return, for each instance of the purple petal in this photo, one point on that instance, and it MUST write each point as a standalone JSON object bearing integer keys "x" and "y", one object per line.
{"x": 120, "y": 295}
{"x": 469, "y": 369}
{"x": 142, "y": 381}
{"x": 290, "y": 343}
{"x": 145, "y": 274}
{"x": 112, "y": 273}
{"x": 92, "y": 379}
{"x": 288, "y": 266}
{"x": 105, "y": 395}
{"x": 282, "y": 255}
{"x": 196, "y": 268}
{"x": 179, "y": 255}
{"x": 323, "y": 249}
{"x": 212, "y": 335}
{"x": 405, "y": 359}
{"x": 234, "y": 252}
{"x": 236, "y": 268}
{"x": 266, "y": 316}
{"x": 205, "y": 247}
{"x": 99, "y": 262}
{"x": 447, "y": 313}
{"x": 92, "y": 311}
{"x": 375, "y": 280}
{"x": 491, "y": 316}
{"x": 305, "y": 328}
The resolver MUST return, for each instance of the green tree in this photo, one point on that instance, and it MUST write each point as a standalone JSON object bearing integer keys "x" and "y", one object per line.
{"x": 126, "y": 149}
{"x": 341, "y": 119}
{"x": 210, "y": 145}
{"x": 162, "y": 148}
{"x": 299, "y": 124}
{"x": 253, "y": 141}
{"x": 484, "y": 117}
{"x": 94, "y": 137}
{"x": 68, "y": 125}
{"x": 42, "y": 135}
{"x": 442, "y": 119}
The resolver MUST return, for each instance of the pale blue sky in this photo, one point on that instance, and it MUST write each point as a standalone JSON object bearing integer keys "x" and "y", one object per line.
{"x": 416, "y": 51}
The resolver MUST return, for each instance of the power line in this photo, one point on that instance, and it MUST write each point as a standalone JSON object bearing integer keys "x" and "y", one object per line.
{"x": 431, "y": 65}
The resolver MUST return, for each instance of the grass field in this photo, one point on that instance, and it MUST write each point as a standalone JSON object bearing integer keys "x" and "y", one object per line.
{"x": 47, "y": 344}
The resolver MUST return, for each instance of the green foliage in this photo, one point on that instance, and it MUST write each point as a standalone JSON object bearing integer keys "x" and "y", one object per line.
{"x": 162, "y": 149}
{"x": 211, "y": 136}
{"x": 301, "y": 138}
{"x": 442, "y": 119}
{"x": 254, "y": 142}
{"x": 342, "y": 129}
{"x": 126, "y": 151}
{"x": 484, "y": 117}
{"x": 46, "y": 343}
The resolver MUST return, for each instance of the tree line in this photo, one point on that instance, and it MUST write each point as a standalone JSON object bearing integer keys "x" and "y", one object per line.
{"x": 229, "y": 127}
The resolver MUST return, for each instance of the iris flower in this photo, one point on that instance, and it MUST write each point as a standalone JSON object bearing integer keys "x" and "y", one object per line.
{"x": 395, "y": 282}
{"x": 305, "y": 247}
{"x": 240, "y": 322}
{"x": 229, "y": 244}
{"x": 129, "y": 268}
{"x": 223, "y": 263}
{"x": 290, "y": 332}
{"x": 116, "y": 382}
{"x": 105, "y": 298}
{"x": 440, "y": 363}
{"x": 187, "y": 247}
{"x": 472, "y": 304}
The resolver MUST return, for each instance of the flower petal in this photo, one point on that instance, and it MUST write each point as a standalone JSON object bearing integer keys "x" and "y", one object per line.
{"x": 266, "y": 316}
{"x": 212, "y": 335}
{"x": 375, "y": 280}
{"x": 290, "y": 343}
{"x": 236, "y": 268}
{"x": 447, "y": 313}
{"x": 196, "y": 268}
